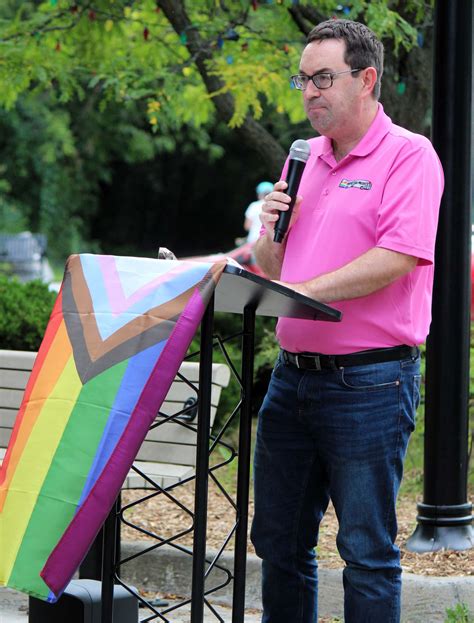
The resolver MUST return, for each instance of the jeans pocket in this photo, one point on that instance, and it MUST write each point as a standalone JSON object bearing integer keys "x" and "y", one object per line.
{"x": 416, "y": 391}
{"x": 374, "y": 377}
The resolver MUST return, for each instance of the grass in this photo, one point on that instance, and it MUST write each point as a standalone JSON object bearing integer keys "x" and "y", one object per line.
{"x": 459, "y": 614}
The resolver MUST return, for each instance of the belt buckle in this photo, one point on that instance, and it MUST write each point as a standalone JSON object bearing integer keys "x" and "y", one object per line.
{"x": 315, "y": 358}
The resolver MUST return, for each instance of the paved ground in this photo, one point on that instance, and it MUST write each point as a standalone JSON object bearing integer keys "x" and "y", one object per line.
{"x": 14, "y": 609}
{"x": 424, "y": 599}
{"x": 13, "y": 606}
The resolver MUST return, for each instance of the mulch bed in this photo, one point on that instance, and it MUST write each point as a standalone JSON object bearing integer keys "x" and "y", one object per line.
{"x": 160, "y": 516}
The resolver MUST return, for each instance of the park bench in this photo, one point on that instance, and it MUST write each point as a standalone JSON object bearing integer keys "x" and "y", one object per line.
{"x": 168, "y": 453}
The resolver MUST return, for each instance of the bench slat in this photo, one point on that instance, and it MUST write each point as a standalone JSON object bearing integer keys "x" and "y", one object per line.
{"x": 23, "y": 360}
{"x": 8, "y": 417}
{"x": 170, "y": 431}
{"x": 17, "y": 359}
{"x": 14, "y": 379}
{"x": 164, "y": 474}
{"x": 179, "y": 392}
{"x": 173, "y": 445}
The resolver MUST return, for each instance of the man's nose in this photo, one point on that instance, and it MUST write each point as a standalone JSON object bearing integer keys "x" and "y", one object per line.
{"x": 311, "y": 90}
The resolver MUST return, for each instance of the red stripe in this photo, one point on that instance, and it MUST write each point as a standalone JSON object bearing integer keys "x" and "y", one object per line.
{"x": 51, "y": 330}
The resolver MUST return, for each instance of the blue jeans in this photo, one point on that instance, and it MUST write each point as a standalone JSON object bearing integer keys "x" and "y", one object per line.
{"x": 341, "y": 435}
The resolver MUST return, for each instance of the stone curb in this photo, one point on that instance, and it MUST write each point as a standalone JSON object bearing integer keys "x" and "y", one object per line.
{"x": 168, "y": 570}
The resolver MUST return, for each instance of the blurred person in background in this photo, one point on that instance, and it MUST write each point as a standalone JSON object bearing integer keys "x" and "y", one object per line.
{"x": 252, "y": 223}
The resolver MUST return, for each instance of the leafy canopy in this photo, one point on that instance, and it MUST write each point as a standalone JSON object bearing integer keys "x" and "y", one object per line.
{"x": 129, "y": 50}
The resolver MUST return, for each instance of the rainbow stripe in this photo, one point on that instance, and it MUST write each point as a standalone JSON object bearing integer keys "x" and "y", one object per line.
{"x": 116, "y": 337}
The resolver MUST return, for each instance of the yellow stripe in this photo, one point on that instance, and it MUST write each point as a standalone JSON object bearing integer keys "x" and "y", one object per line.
{"x": 34, "y": 464}
{"x": 51, "y": 370}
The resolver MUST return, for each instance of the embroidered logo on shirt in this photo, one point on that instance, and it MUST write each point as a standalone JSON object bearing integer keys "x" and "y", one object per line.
{"x": 362, "y": 184}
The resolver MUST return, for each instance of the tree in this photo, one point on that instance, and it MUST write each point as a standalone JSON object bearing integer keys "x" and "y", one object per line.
{"x": 191, "y": 61}
{"x": 115, "y": 109}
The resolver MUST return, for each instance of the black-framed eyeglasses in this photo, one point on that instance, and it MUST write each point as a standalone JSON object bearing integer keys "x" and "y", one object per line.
{"x": 321, "y": 80}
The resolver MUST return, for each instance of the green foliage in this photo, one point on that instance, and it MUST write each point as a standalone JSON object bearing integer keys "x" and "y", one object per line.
{"x": 459, "y": 614}
{"x": 132, "y": 52}
{"x": 55, "y": 160}
{"x": 86, "y": 86}
{"x": 85, "y": 89}
{"x": 24, "y": 312}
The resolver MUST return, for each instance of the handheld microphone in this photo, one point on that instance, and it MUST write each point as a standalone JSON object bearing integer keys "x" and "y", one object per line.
{"x": 299, "y": 154}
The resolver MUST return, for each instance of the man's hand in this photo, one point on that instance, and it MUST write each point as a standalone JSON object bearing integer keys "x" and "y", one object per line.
{"x": 301, "y": 288}
{"x": 275, "y": 202}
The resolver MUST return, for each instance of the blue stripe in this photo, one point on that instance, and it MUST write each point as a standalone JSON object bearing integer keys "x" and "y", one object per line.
{"x": 136, "y": 375}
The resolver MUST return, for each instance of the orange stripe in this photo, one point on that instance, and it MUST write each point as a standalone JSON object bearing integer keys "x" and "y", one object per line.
{"x": 51, "y": 330}
{"x": 54, "y": 324}
{"x": 47, "y": 372}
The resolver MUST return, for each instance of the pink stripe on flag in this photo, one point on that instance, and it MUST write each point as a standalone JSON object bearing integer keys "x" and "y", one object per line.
{"x": 113, "y": 283}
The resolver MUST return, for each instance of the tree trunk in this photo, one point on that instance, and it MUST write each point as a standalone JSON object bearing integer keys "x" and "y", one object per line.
{"x": 252, "y": 133}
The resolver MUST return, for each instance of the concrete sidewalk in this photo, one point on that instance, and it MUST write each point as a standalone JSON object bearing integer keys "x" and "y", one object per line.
{"x": 14, "y": 609}
{"x": 424, "y": 599}
{"x": 168, "y": 571}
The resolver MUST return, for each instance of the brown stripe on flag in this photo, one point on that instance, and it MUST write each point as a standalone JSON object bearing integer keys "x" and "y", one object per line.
{"x": 96, "y": 347}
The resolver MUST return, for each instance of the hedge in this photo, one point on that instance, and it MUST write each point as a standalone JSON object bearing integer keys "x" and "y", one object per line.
{"x": 24, "y": 313}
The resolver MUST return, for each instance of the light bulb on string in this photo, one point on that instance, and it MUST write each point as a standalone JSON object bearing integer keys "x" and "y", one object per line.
{"x": 401, "y": 87}
{"x": 232, "y": 35}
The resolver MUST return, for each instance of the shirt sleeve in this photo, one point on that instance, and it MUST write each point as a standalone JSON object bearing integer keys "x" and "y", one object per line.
{"x": 408, "y": 214}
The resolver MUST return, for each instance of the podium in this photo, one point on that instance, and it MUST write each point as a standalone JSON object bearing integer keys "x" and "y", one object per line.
{"x": 238, "y": 292}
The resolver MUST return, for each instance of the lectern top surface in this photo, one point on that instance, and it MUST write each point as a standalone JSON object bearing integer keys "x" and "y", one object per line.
{"x": 238, "y": 288}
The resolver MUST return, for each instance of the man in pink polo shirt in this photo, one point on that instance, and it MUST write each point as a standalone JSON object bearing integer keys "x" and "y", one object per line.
{"x": 341, "y": 404}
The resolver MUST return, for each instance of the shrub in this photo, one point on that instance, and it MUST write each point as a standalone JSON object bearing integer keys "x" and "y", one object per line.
{"x": 24, "y": 313}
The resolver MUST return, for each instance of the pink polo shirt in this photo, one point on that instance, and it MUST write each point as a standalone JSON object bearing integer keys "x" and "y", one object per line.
{"x": 385, "y": 193}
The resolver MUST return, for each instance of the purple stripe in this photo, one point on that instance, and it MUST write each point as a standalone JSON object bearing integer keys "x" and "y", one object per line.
{"x": 76, "y": 540}
{"x": 138, "y": 370}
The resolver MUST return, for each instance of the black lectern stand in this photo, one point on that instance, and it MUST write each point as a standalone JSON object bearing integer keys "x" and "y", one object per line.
{"x": 243, "y": 293}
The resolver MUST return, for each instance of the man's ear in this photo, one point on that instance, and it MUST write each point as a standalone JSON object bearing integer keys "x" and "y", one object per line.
{"x": 369, "y": 76}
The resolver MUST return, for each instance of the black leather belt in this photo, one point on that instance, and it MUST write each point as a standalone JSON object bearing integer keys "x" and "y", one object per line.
{"x": 315, "y": 361}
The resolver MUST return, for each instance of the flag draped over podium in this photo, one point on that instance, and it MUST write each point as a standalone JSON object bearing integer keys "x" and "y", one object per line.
{"x": 117, "y": 335}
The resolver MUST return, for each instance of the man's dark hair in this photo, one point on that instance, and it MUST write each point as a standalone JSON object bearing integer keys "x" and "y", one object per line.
{"x": 363, "y": 49}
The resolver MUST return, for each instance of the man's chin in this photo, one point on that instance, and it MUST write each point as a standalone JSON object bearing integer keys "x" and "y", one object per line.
{"x": 320, "y": 127}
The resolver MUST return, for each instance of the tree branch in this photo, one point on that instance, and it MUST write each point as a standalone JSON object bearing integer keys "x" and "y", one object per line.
{"x": 306, "y": 17}
{"x": 252, "y": 133}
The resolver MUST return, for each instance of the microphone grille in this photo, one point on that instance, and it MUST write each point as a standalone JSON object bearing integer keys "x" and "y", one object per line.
{"x": 300, "y": 150}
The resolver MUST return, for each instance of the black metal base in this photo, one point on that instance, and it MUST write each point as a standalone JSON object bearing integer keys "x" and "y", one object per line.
{"x": 442, "y": 527}
{"x": 81, "y": 603}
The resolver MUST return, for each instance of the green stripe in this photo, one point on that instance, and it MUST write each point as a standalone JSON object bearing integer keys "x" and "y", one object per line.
{"x": 63, "y": 486}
